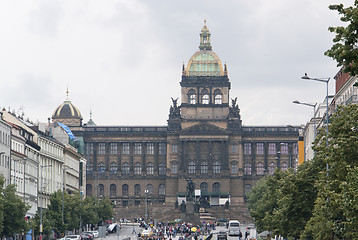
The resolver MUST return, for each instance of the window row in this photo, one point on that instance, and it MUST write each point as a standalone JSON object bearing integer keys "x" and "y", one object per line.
{"x": 204, "y": 167}
{"x": 204, "y": 187}
{"x": 137, "y": 191}
{"x": 138, "y": 148}
{"x": 205, "y": 97}
{"x": 138, "y": 169}
{"x": 272, "y": 148}
{"x": 260, "y": 169}
{"x": 5, "y": 138}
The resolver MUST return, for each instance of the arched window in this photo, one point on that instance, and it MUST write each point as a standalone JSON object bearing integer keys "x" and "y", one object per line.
{"x": 162, "y": 169}
{"x": 204, "y": 168}
{"x": 161, "y": 189}
{"x": 150, "y": 168}
{"x": 137, "y": 169}
{"x": 247, "y": 169}
{"x": 150, "y": 189}
{"x": 125, "y": 190}
{"x": 89, "y": 169}
{"x": 191, "y": 168}
{"x": 113, "y": 190}
{"x": 218, "y": 97}
{"x": 101, "y": 168}
{"x": 192, "y": 96}
{"x": 216, "y": 168}
{"x": 272, "y": 168}
{"x": 284, "y": 166}
{"x": 88, "y": 189}
{"x": 205, "y": 97}
{"x": 216, "y": 187}
{"x": 101, "y": 190}
{"x": 137, "y": 189}
{"x": 247, "y": 189}
{"x": 113, "y": 168}
{"x": 203, "y": 187}
{"x": 260, "y": 169}
{"x": 125, "y": 168}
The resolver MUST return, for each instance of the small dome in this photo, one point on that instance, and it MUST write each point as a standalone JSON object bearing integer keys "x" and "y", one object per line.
{"x": 205, "y": 62}
{"x": 66, "y": 110}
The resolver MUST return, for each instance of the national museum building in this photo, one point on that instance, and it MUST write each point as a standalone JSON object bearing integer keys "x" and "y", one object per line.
{"x": 204, "y": 139}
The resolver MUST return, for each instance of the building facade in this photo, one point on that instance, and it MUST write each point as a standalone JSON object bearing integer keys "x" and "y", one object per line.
{"x": 204, "y": 140}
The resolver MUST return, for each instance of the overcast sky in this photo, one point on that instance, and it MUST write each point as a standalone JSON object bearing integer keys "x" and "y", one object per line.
{"x": 123, "y": 59}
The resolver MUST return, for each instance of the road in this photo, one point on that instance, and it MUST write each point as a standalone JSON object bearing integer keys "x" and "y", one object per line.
{"x": 127, "y": 232}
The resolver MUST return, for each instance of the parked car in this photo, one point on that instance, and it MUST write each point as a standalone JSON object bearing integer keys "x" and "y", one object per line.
{"x": 73, "y": 237}
{"x": 86, "y": 236}
{"x": 95, "y": 233}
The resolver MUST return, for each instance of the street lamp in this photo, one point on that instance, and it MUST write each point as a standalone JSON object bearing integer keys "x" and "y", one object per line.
{"x": 41, "y": 200}
{"x": 325, "y": 80}
{"x": 314, "y": 114}
{"x": 146, "y": 192}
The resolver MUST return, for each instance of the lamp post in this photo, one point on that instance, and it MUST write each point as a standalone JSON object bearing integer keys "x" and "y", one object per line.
{"x": 325, "y": 80}
{"x": 146, "y": 191}
{"x": 314, "y": 115}
{"x": 41, "y": 200}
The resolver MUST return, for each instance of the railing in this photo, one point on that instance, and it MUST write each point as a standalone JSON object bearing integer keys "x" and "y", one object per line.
{"x": 125, "y": 129}
{"x": 352, "y": 99}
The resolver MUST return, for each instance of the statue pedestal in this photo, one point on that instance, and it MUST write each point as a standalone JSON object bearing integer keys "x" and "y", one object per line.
{"x": 190, "y": 216}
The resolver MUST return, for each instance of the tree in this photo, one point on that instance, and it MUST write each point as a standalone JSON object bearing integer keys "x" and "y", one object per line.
{"x": 332, "y": 214}
{"x": 15, "y": 211}
{"x": 345, "y": 47}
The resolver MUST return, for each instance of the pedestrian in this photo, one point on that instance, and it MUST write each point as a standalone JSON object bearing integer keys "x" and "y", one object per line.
{"x": 133, "y": 231}
{"x": 240, "y": 235}
{"x": 246, "y": 234}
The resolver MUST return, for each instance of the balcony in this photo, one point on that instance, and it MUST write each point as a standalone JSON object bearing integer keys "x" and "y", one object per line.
{"x": 352, "y": 99}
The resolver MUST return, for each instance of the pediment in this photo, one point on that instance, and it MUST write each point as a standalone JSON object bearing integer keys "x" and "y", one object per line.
{"x": 204, "y": 129}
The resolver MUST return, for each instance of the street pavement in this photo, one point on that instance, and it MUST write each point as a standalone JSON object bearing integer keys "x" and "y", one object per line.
{"x": 127, "y": 232}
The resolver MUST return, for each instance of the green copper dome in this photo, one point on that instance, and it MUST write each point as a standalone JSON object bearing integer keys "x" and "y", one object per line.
{"x": 204, "y": 62}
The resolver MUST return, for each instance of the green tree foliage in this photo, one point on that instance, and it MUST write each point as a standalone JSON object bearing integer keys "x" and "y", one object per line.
{"x": 332, "y": 215}
{"x": 345, "y": 47}
{"x": 75, "y": 210}
{"x": 14, "y": 210}
{"x": 283, "y": 203}
{"x": 2, "y": 201}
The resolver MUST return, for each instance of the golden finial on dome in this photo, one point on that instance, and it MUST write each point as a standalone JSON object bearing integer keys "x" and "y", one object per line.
{"x": 67, "y": 93}
{"x": 204, "y": 22}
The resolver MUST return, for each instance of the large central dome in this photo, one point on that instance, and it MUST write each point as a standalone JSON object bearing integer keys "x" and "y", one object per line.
{"x": 204, "y": 62}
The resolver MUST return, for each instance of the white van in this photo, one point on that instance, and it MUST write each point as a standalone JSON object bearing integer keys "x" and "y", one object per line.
{"x": 234, "y": 227}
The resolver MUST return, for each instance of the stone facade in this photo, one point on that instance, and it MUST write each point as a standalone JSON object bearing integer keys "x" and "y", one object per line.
{"x": 204, "y": 140}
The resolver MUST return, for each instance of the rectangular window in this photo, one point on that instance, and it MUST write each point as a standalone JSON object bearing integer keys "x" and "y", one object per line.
{"x": 234, "y": 149}
{"x": 113, "y": 147}
{"x": 101, "y": 148}
{"x": 174, "y": 148}
{"x": 259, "y": 148}
{"x": 247, "y": 148}
{"x": 234, "y": 168}
{"x": 174, "y": 168}
{"x": 162, "y": 148}
{"x": 125, "y": 148}
{"x": 89, "y": 148}
{"x": 137, "y": 148}
{"x": 295, "y": 149}
{"x": 284, "y": 148}
{"x": 150, "y": 148}
{"x": 272, "y": 148}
